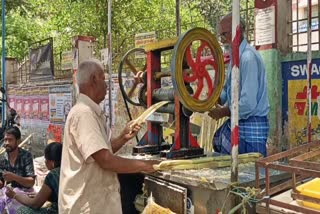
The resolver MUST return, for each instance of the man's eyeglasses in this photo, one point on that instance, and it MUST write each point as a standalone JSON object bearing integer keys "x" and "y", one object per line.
{"x": 224, "y": 34}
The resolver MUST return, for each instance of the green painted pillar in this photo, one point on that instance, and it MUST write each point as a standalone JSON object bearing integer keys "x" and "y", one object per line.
{"x": 272, "y": 60}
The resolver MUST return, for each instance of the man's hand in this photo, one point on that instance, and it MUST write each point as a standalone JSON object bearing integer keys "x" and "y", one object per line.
{"x": 10, "y": 193}
{"x": 130, "y": 130}
{"x": 219, "y": 112}
{"x": 9, "y": 176}
{"x": 149, "y": 165}
{"x": 31, "y": 195}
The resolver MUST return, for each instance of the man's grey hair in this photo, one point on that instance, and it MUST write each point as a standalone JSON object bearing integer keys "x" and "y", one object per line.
{"x": 86, "y": 69}
{"x": 242, "y": 22}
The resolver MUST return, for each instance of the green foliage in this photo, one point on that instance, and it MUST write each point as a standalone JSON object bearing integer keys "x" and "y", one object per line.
{"x": 28, "y": 21}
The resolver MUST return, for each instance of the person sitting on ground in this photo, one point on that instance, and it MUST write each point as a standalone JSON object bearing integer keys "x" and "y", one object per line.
{"x": 16, "y": 166}
{"x": 50, "y": 188}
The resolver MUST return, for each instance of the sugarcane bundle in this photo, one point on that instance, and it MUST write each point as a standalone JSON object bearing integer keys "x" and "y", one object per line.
{"x": 142, "y": 118}
{"x": 153, "y": 208}
{"x": 207, "y": 162}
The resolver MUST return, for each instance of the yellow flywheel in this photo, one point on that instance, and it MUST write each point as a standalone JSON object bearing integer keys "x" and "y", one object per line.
{"x": 197, "y": 68}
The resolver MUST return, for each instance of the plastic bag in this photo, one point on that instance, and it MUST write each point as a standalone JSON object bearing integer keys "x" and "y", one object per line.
{"x": 153, "y": 208}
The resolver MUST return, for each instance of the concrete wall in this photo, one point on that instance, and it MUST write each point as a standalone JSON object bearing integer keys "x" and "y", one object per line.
{"x": 271, "y": 59}
{"x": 278, "y": 139}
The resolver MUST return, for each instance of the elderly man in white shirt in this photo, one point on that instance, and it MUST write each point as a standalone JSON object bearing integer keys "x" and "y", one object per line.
{"x": 88, "y": 180}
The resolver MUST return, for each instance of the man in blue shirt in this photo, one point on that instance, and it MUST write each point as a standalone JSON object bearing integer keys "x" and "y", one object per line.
{"x": 253, "y": 98}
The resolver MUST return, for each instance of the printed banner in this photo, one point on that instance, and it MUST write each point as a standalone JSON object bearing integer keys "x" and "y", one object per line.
{"x": 55, "y": 132}
{"x": 35, "y": 102}
{"x": 44, "y": 104}
{"x": 41, "y": 62}
{"x": 26, "y": 113}
{"x": 60, "y": 99}
{"x": 66, "y": 60}
{"x": 295, "y": 108}
{"x": 142, "y": 39}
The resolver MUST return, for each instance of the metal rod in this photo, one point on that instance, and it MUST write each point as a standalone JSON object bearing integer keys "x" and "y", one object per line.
{"x": 318, "y": 16}
{"x": 257, "y": 176}
{"x": 3, "y": 119}
{"x": 267, "y": 189}
{"x": 309, "y": 66}
{"x": 235, "y": 88}
{"x": 178, "y": 21}
{"x": 110, "y": 61}
{"x": 303, "y": 148}
{"x": 302, "y": 197}
{"x": 293, "y": 207}
{"x": 297, "y": 170}
{"x": 297, "y": 18}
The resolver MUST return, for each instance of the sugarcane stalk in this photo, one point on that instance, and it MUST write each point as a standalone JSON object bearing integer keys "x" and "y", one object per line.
{"x": 148, "y": 112}
{"x": 168, "y": 163}
{"x": 211, "y": 162}
{"x": 211, "y": 165}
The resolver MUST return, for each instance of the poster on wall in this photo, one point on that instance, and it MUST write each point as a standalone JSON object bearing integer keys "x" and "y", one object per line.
{"x": 44, "y": 104}
{"x": 41, "y": 62}
{"x": 27, "y": 106}
{"x": 265, "y": 26}
{"x": 12, "y": 101}
{"x": 19, "y": 102}
{"x": 105, "y": 103}
{"x": 295, "y": 108}
{"x": 66, "y": 61}
{"x": 35, "y": 102}
{"x": 60, "y": 103}
{"x": 142, "y": 39}
{"x": 54, "y": 132}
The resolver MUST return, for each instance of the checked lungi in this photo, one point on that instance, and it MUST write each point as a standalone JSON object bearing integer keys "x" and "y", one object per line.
{"x": 253, "y": 135}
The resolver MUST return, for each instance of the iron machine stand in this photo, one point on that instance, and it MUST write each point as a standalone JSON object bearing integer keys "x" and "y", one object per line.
{"x": 197, "y": 73}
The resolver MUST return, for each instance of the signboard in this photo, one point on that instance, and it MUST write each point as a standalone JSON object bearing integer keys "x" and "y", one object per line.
{"x": 295, "y": 109}
{"x": 60, "y": 103}
{"x": 141, "y": 39}
{"x": 66, "y": 60}
{"x": 41, "y": 62}
{"x": 265, "y": 26}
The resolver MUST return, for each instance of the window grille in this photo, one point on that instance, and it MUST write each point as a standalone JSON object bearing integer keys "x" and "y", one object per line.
{"x": 299, "y": 23}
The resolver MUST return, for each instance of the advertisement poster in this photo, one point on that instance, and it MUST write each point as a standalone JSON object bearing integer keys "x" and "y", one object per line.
{"x": 44, "y": 104}
{"x": 60, "y": 103}
{"x": 35, "y": 102}
{"x": 12, "y": 101}
{"x": 55, "y": 132}
{"x": 119, "y": 110}
{"x": 265, "y": 26}
{"x": 41, "y": 62}
{"x": 142, "y": 39}
{"x": 295, "y": 112}
{"x": 66, "y": 61}
{"x": 27, "y": 105}
{"x": 11, "y": 93}
{"x": 19, "y": 103}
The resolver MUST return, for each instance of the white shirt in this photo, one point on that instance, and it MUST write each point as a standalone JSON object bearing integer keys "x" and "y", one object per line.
{"x": 84, "y": 186}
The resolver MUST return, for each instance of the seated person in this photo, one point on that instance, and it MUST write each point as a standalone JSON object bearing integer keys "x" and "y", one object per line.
{"x": 16, "y": 166}
{"x": 50, "y": 188}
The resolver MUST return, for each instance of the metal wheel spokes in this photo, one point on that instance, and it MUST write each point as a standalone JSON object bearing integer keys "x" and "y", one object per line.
{"x": 132, "y": 66}
{"x": 198, "y": 63}
{"x": 200, "y": 69}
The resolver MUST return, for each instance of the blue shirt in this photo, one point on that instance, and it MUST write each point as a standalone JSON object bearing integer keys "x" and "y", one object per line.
{"x": 253, "y": 97}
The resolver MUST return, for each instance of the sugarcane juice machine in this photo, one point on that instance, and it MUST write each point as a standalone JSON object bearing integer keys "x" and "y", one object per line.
{"x": 197, "y": 73}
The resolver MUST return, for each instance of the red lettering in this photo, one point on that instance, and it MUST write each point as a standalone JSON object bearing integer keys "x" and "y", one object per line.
{"x": 300, "y": 106}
